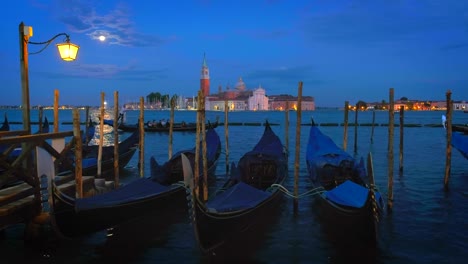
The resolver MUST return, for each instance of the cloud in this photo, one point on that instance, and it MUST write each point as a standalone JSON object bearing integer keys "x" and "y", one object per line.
{"x": 116, "y": 25}
{"x": 381, "y": 21}
{"x": 108, "y": 71}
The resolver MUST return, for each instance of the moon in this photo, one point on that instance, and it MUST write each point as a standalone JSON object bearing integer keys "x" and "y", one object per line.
{"x": 102, "y": 38}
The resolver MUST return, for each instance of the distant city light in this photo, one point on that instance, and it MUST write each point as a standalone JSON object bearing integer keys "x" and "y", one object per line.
{"x": 102, "y": 38}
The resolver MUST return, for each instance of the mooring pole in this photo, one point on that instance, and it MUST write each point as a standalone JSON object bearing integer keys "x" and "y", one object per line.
{"x": 204, "y": 150}
{"x": 402, "y": 115}
{"x": 141, "y": 125}
{"x": 101, "y": 137}
{"x": 171, "y": 128}
{"x": 197, "y": 147}
{"x": 448, "y": 127}
{"x": 226, "y": 134}
{"x": 56, "y": 114}
{"x": 298, "y": 147}
{"x": 286, "y": 126}
{"x": 355, "y": 127}
{"x": 345, "y": 134}
{"x": 116, "y": 139}
{"x": 373, "y": 125}
{"x": 391, "y": 117}
{"x": 78, "y": 154}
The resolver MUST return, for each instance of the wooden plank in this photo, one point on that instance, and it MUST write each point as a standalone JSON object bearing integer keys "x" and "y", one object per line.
{"x": 35, "y": 137}
{"x": 15, "y": 206}
{"x": 16, "y": 192}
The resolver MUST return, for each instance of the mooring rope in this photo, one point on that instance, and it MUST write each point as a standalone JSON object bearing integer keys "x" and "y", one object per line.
{"x": 373, "y": 189}
{"x": 312, "y": 192}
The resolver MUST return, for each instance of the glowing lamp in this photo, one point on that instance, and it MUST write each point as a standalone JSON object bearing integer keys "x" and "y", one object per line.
{"x": 68, "y": 51}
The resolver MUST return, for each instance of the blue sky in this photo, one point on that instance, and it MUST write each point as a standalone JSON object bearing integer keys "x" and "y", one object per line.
{"x": 341, "y": 50}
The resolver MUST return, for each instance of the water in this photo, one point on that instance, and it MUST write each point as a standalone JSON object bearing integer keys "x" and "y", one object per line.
{"x": 426, "y": 225}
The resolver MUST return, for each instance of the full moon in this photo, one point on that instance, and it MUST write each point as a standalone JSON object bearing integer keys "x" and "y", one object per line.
{"x": 102, "y": 38}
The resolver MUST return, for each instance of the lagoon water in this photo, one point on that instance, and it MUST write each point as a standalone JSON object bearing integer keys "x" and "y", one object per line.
{"x": 427, "y": 223}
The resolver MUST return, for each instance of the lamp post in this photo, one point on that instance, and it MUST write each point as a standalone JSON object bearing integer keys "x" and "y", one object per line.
{"x": 67, "y": 50}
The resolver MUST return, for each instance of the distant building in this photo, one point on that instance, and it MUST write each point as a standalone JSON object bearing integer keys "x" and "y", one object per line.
{"x": 460, "y": 105}
{"x": 285, "y": 101}
{"x": 240, "y": 98}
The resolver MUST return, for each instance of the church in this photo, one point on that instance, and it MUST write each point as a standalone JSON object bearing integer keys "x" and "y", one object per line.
{"x": 242, "y": 99}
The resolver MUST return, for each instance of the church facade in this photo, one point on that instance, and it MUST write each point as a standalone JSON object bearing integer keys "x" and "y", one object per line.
{"x": 242, "y": 99}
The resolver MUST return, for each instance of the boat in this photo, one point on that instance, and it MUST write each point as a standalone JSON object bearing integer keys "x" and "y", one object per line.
{"x": 110, "y": 122}
{"x": 45, "y": 126}
{"x": 177, "y": 127}
{"x": 127, "y": 149}
{"x": 463, "y": 129}
{"x": 250, "y": 194}
{"x": 459, "y": 137}
{"x": 6, "y": 125}
{"x": 74, "y": 217}
{"x": 171, "y": 171}
{"x": 347, "y": 202}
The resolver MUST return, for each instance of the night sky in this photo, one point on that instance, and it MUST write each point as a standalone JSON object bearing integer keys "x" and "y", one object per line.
{"x": 341, "y": 50}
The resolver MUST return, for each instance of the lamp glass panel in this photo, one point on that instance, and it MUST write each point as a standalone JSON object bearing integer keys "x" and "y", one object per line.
{"x": 68, "y": 51}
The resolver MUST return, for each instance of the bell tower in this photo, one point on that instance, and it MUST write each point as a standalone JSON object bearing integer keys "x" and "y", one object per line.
{"x": 205, "y": 78}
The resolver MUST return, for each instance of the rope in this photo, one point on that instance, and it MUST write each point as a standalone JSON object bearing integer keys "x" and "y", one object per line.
{"x": 312, "y": 192}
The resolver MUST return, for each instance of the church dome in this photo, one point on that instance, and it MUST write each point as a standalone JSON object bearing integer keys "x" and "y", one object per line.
{"x": 240, "y": 86}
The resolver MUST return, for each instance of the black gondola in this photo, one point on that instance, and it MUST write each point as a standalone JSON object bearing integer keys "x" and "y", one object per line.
{"x": 127, "y": 149}
{"x": 6, "y": 125}
{"x": 459, "y": 137}
{"x": 251, "y": 193}
{"x": 177, "y": 127}
{"x": 75, "y": 217}
{"x": 346, "y": 201}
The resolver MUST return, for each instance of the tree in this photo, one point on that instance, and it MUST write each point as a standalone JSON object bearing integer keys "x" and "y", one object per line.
{"x": 361, "y": 105}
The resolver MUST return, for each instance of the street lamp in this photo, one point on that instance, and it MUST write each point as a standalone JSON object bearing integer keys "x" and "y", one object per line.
{"x": 67, "y": 50}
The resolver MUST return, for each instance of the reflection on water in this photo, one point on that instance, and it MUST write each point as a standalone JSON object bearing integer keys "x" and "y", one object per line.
{"x": 426, "y": 225}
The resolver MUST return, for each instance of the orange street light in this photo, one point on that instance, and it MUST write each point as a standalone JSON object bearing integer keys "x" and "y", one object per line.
{"x": 67, "y": 50}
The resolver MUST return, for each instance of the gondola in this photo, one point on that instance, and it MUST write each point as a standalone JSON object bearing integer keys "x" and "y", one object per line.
{"x": 6, "y": 125}
{"x": 171, "y": 171}
{"x": 459, "y": 138}
{"x": 250, "y": 194}
{"x": 127, "y": 149}
{"x": 460, "y": 128}
{"x": 73, "y": 217}
{"x": 346, "y": 202}
{"x": 178, "y": 127}
{"x": 45, "y": 126}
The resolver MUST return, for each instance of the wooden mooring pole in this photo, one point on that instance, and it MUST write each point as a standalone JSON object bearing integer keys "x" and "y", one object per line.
{"x": 197, "y": 147}
{"x": 345, "y": 134}
{"x": 355, "y": 127}
{"x": 116, "y": 139}
{"x": 87, "y": 124}
{"x": 298, "y": 147}
{"x": 204, "y": 149}
{"x": 56, "y": 114}
{"x": 101, "y": 136}
{"x": 448, "y": 127}
{"x": 226, "y": 133}
{"x": 286, "y": 127}
{"x": 78, "y": 154}
{"x": 402, "y": 123}
{"x": 41, "y": 116}
{"x": 373, "y": 126}
{"x": 391, "y": 117}
{"x": 141, "y": 123}
{"x": 171, "y": 128}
